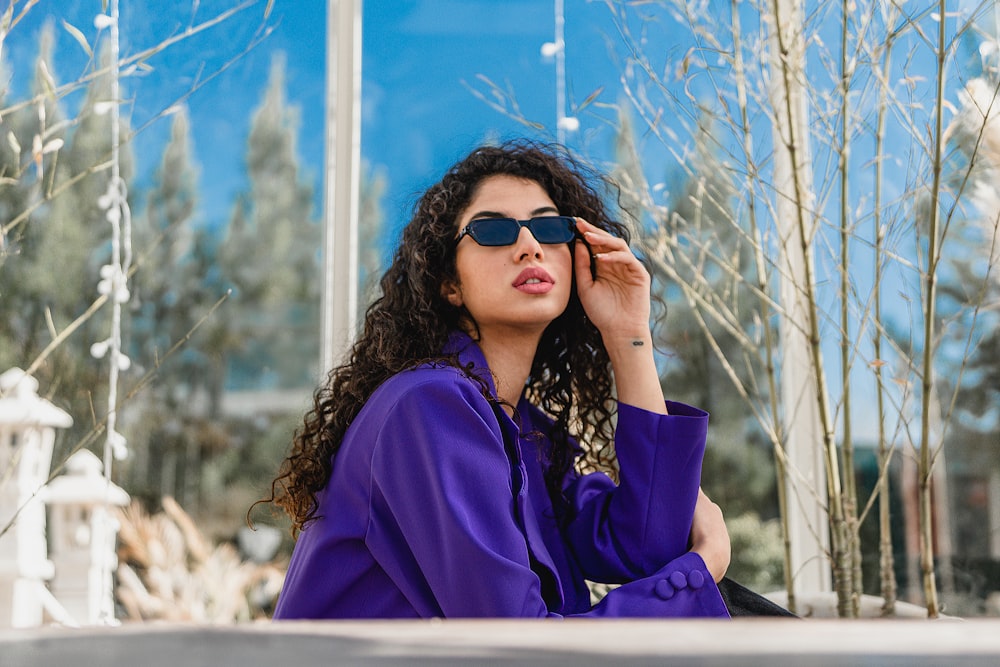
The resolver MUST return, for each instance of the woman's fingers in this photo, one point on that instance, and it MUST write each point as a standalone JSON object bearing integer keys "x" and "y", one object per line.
{"x": 606, "y": 248}
{"x": 599, "y": 240}
{"x": 612, "y": 283}
{"x": 612, "y": 256}
{"x": 585, "y": 264}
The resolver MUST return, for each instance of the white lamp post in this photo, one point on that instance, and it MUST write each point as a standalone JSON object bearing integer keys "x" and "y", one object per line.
{"x": 83, "y": 536}
{"x": 27, "y": 433}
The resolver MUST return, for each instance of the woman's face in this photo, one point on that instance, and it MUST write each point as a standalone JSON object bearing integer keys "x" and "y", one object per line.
{"x": 516, "y": 288}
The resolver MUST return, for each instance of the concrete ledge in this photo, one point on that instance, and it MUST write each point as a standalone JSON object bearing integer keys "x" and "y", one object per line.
{"x": 740, "y": 643}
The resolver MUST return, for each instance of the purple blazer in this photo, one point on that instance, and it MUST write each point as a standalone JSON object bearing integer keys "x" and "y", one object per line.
{"x": 428, "y": 514}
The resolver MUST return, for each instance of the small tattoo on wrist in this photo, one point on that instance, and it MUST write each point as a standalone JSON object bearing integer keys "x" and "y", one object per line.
{"x": 637, "y": 343}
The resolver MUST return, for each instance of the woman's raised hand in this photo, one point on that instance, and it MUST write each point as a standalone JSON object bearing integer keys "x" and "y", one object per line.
{"x": 617, "y": 299}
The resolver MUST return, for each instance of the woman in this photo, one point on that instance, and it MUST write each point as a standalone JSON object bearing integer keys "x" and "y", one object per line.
{"x": 437, "y": 475}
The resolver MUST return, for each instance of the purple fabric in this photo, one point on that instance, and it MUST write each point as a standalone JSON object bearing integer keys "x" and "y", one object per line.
{"x": 427, "y": 514}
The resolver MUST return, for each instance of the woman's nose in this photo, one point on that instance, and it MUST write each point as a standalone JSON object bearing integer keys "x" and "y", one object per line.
{"x": 527, "y": 245}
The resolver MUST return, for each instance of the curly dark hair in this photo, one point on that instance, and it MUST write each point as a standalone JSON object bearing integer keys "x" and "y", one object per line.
{"x": 409, "y": 324}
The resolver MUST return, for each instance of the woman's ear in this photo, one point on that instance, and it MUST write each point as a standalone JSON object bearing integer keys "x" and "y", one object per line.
{"x": 452, "y": 292}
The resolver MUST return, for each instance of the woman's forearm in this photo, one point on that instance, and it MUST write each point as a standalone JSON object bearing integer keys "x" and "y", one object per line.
{"x": 636, "y": 378}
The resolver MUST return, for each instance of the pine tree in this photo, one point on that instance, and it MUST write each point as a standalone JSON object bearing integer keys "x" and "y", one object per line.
{"x": 969, "y": 295}
{"x": 371, "y": 235}
{"x": 82, "y": 224}
{"x": 271, "y": 255}
{"x": 50, "y": 269}
{"x": 27, "y": 286}
{"x": 167, "y": 297}
{"x": 162, "y": 286}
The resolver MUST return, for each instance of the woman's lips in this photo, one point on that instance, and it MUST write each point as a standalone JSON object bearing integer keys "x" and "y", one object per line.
{"x": 534, "y": 281}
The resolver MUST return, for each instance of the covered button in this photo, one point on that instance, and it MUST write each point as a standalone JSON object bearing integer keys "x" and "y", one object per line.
{"x": 664, "y": 589}
{"x": 696, "y": 579}
{"x": 678, "y": 579}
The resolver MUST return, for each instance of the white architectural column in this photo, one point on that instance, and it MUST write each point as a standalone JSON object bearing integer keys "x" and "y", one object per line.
{"x": 808, "y": 523}
{"x": 341, "y": 181}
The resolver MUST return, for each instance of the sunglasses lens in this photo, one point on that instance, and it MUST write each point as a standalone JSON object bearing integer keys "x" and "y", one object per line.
{"x": 552, "y": 229}
{"x": 548, "y": 229}
{"x": 494, "y": 231}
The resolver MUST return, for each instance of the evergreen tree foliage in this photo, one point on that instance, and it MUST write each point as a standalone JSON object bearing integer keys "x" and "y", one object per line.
{"x": 970, "y": 286}
{"x": 169, "y": 297}
{"x": 162, "y": 286}
{"x": 271, "y": 255}
{"x": 35, "y": 242}
{"x": 969, "y": 297}
{"x": 54, "y": 254}
{"x": 193, "y": 355}
{"x": 371, "y": 232}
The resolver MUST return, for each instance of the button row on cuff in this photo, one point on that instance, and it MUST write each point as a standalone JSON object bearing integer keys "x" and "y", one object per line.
{"x": 665, "y": 588}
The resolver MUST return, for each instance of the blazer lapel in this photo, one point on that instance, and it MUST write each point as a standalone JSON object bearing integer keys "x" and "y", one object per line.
{"x": 542, "y": 562}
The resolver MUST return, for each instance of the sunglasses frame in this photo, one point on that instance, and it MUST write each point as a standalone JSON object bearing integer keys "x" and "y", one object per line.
{"x": 470, "y": 229}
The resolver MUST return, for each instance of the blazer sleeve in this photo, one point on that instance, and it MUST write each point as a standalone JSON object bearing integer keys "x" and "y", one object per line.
{"x": 620, "y": 532}
{"x": 444, "y": 524}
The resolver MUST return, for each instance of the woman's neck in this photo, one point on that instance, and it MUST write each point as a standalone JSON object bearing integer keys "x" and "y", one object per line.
{"x": 509, "y": 356}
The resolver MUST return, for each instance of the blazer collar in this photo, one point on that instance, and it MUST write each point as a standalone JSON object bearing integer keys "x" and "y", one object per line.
{"x": 470, "y": 357}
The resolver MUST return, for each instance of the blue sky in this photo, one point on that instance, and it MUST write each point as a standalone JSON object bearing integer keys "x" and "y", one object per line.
{"x": 421, "y": 58}
{"x": 419, "y": 61}
{"x": 220, "y": 110}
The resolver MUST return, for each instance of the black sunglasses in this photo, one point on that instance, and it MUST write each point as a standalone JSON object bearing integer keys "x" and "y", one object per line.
{"x": 504, "y": 231}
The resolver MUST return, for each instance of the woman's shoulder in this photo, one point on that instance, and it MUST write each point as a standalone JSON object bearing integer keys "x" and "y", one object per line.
{"x": 414, "y": 403}
{"x": 431, "y": 382}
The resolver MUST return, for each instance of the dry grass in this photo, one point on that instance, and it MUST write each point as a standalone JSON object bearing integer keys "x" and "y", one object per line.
{"x": 169, "y": 571}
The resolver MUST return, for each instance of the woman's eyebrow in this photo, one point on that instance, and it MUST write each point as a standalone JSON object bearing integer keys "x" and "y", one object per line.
{"x": 488, "y": 214}
{"x": 494, "y": 214}
{"x": 545, "y": 209}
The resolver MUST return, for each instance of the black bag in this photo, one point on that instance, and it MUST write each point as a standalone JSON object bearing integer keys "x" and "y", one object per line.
{"x": 741, "y": 601}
